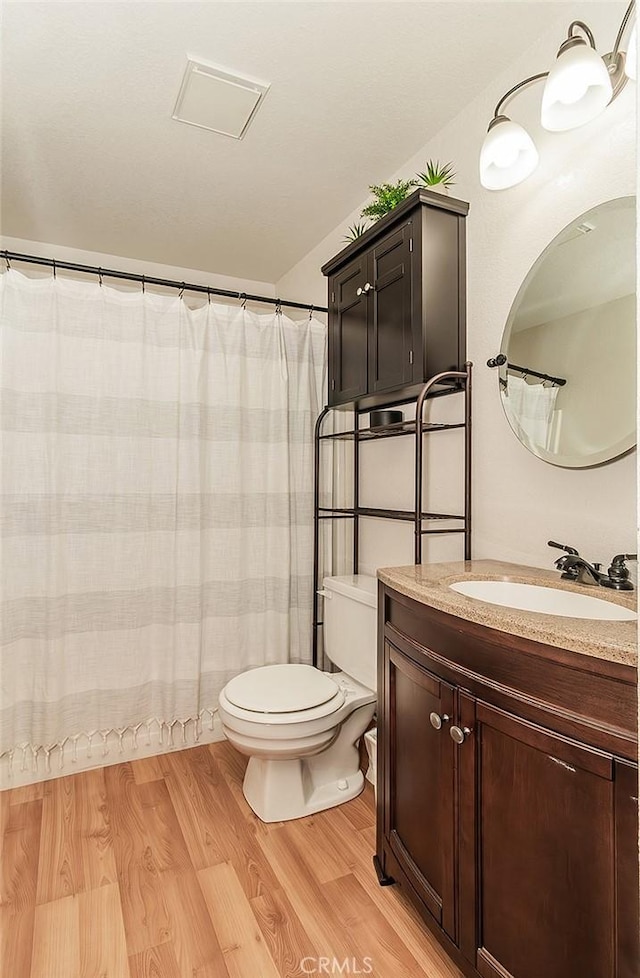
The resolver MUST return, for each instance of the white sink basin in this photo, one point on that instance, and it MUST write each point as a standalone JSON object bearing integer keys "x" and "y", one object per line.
{"x": 547, "y": 600}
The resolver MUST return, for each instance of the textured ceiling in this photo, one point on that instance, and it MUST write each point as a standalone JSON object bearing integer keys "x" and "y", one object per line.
{"x": 91, "y": 158}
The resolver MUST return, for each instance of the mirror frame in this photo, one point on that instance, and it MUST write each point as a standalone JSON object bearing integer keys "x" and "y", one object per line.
{"x": 620, "y": 448}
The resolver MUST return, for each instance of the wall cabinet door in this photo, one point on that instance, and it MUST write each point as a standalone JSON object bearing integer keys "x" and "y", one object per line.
{"x": 392, "y": 339}
{"x": 545, "y": 835}
{"x": 419, "y": 799}
{"x": 348, "y": 336}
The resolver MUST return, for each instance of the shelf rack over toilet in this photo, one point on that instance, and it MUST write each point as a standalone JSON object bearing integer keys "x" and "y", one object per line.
{"x": 440, "y": 385}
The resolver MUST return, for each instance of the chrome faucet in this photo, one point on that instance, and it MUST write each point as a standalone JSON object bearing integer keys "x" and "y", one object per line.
{"x": 576, "y": 568}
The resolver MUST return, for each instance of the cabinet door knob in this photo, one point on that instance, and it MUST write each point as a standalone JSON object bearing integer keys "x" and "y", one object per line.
{"x": 459, "y": 734}
{"x": 436, "y": 720}
{"x": 364, "y": 289}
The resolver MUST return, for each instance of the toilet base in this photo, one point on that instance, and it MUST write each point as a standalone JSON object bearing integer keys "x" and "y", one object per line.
{"x": 279, "y": 796}
{"x": 279, "y": 790}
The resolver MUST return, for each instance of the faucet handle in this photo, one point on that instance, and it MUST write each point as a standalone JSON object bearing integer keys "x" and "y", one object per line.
{"x": 618, "y": 573}
{"x": 563, "y": 546}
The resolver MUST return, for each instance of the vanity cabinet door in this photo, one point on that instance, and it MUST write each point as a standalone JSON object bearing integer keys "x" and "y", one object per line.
{"x": 348, "y": 336}
{"x": 419, "y": 799}
{"x": 544, "y": 809}
{"x": 627, "y": 896}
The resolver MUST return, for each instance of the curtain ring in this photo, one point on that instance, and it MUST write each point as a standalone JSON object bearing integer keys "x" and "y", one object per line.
{"x": 278, "y": 307}
{"x": 54, "y": 268}
{"x": 6, "y": 258}
{"x": 181, "y": 292}
{"x": 310, "y": 313}
{"x": 142, "y": 284}
{"x": 100, "y": 277}
{"x": 209, "y": 296}
{"x": 242, "y": 296}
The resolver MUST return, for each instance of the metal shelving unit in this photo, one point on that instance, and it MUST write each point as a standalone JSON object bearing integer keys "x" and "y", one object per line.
{"x": 443, "y": 384}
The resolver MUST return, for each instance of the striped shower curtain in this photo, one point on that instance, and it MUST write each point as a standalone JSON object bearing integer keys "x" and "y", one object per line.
{"x": 156, "y": 511}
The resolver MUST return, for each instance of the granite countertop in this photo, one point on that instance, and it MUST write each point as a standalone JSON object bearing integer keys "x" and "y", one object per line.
{"x": 616, "y": 641}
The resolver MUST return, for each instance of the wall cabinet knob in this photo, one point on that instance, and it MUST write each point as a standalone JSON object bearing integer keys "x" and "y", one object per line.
{"x": 459, "y": 734}
{"x": 436, "y": 720}
{"x": 364, "y": 289}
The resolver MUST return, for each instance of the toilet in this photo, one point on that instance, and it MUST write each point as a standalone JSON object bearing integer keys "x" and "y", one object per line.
{"x": 299, "y": 726}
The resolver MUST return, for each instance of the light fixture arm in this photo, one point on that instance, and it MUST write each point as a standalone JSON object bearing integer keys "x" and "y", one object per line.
{"x": 585, "y": 30}
{"x": 623, "y": 26}
{"x": 516, "y": 88}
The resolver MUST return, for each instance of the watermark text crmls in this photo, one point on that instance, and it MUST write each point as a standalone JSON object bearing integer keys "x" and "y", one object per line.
{"x": 336, "y": 966}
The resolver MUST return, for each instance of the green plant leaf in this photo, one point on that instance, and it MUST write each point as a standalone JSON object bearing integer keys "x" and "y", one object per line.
{"x": 436, "y": 173}
{"x": 387, "y": 196}
{"x": 355, "y": 231}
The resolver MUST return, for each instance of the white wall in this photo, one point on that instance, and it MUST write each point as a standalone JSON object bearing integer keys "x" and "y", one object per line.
{"x": 519, "y": 502}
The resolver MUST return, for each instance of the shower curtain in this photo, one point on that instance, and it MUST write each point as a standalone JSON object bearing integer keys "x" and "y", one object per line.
{"x": 157, "y": 466}
{"x": 531, "y": 406}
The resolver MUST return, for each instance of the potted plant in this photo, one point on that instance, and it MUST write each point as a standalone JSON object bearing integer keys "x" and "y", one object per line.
{"x": 436, "y": 176}
{"x": 354, "y": 231}
{"x": 387, "y": 196}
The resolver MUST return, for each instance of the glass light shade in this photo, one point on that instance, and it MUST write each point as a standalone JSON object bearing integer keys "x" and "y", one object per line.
{"x": 508, "y": 155}
{"x": 631, "y": 60}
{"x": 577, "y": 90}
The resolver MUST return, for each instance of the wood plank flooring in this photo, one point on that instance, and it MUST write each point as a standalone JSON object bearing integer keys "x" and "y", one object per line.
{"x": 159, "y": 869}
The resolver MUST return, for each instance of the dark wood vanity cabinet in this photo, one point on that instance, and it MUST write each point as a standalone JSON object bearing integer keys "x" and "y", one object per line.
{"x": 397, "y": 311}
{"x": 517, "y": 840}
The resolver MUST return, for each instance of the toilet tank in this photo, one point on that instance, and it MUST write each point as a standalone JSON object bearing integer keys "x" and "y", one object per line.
{"x": 350, "y": 625}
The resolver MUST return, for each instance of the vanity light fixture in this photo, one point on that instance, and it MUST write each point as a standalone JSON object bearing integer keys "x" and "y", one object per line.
{"x": 577, "y": 89}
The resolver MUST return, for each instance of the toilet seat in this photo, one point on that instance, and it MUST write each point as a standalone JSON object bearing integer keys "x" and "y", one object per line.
{"x": 282, "y": 694}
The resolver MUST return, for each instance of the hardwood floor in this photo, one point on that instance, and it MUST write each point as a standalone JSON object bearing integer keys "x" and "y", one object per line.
{"x": 159, "y": 869}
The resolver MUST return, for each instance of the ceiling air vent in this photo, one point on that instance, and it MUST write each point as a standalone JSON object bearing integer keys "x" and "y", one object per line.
{"x": 578, "y": 231}
{"x": 211, "y": 98}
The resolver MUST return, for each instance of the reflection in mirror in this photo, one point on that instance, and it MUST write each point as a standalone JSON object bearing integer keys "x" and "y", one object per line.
{"x": 568, "y": 385}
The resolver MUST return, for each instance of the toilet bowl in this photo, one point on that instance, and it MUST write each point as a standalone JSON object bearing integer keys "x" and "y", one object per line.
{"x": 299, "y": 726}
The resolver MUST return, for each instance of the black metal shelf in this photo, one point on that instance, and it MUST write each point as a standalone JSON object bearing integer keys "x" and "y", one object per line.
{"x": 388, "y": 431}
{"x": 376, "y": 512}
{"x": 455, "y": 382}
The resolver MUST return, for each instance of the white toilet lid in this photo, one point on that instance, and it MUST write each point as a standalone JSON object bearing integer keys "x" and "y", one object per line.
{"x": 282, "y": 689}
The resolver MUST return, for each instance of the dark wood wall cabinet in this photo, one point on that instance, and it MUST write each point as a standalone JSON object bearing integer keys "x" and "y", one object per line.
{"x": 397, "y": 312}
{"x": 508, "y": 796}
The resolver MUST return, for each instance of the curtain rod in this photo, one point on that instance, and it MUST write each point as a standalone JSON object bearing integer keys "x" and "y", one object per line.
{"x": 501, "y": 359}
{"x": 10, "y": 256}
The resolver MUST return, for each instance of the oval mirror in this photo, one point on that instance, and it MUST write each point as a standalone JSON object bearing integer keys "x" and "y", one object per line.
{"x": 568, "y": 356}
